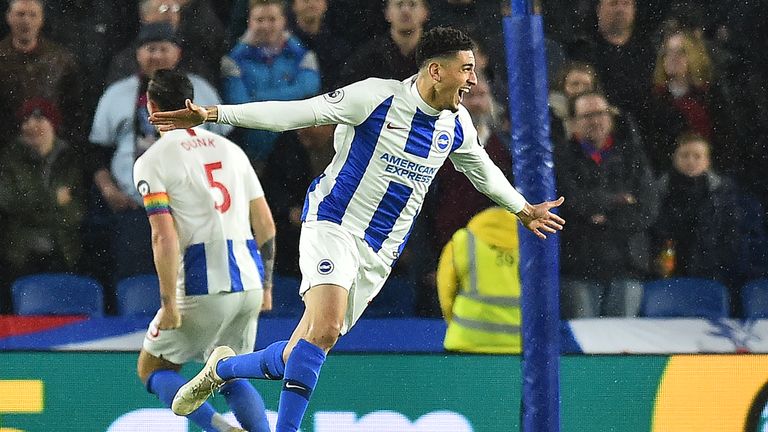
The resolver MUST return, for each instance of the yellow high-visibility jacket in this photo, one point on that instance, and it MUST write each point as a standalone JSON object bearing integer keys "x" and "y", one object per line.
{"x": 478, "y": 283}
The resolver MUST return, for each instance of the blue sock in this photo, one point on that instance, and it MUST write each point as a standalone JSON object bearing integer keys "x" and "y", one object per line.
{"x": 265, "y": 364}
{"x": 165, "y": 383}
{"x": 247, "y": 405}
{"x": 301, "y": 372}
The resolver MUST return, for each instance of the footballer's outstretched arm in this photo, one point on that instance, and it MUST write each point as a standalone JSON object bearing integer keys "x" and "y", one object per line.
{"x": 349, "y": 105}
{"x": 486, "y": 177}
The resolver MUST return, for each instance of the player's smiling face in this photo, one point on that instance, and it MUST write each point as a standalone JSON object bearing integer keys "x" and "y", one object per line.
{"x": 457, "y": 76}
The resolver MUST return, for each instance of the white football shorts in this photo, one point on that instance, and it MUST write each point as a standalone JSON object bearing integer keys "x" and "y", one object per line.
{"x": 208, "y": 321}
{"x": 329, "y": 254}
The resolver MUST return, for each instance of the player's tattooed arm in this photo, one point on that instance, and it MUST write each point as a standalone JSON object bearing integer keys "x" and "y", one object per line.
{"x": 168, "y": 300}
{"x": 267, "y": 251}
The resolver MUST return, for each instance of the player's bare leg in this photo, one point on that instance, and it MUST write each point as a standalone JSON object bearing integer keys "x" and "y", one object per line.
{"x": 296, "y": 361}
{"x": 325, "y": 307}
{"x": 316, "y": 334}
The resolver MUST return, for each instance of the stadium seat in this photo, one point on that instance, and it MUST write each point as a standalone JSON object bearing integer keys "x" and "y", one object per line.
{"x": 396, "y": 299}
{"x": 684, "y": 297}
{"x": 57, "y": 294}
{"x": 138, "y": 295}
{"x": 285, "y": 296}
{"x": 754, "y": 299}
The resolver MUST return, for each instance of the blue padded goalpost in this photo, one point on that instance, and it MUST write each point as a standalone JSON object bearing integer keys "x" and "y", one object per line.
{"x": 534, "y": 178}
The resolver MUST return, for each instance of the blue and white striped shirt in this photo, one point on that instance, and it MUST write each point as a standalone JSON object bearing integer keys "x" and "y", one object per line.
{"x": 389, "y": 146}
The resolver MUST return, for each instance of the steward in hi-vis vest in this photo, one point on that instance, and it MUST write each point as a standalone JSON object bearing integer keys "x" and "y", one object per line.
{"x": 478, "y": 282}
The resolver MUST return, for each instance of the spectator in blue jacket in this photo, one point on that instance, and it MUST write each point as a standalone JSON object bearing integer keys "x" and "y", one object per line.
{"x": 268, "y": 63}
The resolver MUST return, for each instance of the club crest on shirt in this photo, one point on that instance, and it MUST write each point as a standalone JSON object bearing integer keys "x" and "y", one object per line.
{"x": 442, "y": 141}
{"x": 325, "y": 267}
{"x": 335, "y": 96}
{"x": 143, "y": 187}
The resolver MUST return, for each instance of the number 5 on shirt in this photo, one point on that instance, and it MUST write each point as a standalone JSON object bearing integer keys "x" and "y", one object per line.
{"x": 224, "y": 206}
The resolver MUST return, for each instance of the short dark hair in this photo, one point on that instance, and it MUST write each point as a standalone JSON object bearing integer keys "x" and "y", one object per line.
{"x": 440, "y": 42}
{"x": 169, "y": 89}
{"x": 577, "y": 66}
{"x": 688, "y": 137}
{"x": 593, "y": 93}
{"x": 39, "y": 2}
{"x": 253, "y": 3}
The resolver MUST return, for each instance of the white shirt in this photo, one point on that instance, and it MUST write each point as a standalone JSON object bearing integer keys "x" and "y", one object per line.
{"x": 206, "y": 182}
{"x": 389, "y": 145}
{"x": 114, "y": 125}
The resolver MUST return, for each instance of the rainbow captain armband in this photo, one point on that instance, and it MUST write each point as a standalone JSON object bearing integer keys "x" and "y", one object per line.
{"x": 157, "y": 203}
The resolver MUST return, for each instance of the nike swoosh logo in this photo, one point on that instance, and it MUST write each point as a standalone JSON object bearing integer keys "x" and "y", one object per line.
{"x": 391, "y": 126}
{"x": 289, "y": 385}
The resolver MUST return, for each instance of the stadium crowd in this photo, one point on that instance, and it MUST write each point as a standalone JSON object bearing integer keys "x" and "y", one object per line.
{"x": 659, "y": 127}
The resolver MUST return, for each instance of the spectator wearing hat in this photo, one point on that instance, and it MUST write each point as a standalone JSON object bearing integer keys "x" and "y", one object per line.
{"x": 121, "y": 133}
{"x": 199, "y": 34}
{"x": 34, "y": 66}
{"x": 41, "y": 197}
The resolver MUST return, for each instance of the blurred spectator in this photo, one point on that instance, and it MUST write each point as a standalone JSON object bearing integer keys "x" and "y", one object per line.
{"x": 565, "y": 22}
{"x": 33, "y": 66}
{"x": 349, "y": 19}
{"x": 201, "y": 50}
{"x": 705, "y": 21}
{"x": 610, "y": 208}
{"x": 298, "y": 157}
{"x": 202, "y": 37}
{"x": 706, "y": 24}
{"x": 747, "y": 25}
{"x": 121, "y": 132}
{"x": 41, "y": 197}
{"x": 478, "y": 282}
{"x": 124, "y": 63}
{"x": 573, "y": 79}
{"x": 686, "y": 98}
{"x": 701, "y": 215}
{"x": 622, "y": 55}
{"x": 311, "y": 29}
{"x": 392, "y": 55}
{"x": 94, "y": 31}
{"x": 269, "y": 63}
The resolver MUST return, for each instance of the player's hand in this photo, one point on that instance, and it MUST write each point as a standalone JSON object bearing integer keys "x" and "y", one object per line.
{"x": 168, "y": 318}
{"x": 538, "y": 218}
{"x": 191, "y": 116}
{"x": 266, "y": 303}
